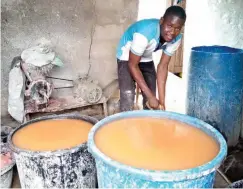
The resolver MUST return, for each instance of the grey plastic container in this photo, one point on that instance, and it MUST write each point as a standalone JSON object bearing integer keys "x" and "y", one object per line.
{"x": 68, "y": 168}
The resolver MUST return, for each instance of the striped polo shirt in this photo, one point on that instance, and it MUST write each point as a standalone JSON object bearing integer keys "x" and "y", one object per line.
{"x": 142, "y": 39}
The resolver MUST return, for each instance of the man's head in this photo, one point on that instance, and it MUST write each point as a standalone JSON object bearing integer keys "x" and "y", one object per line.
{"x": 172, "y": 22}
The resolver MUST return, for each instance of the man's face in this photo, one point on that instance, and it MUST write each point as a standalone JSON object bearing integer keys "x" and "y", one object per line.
{"x": 170, "y": 27}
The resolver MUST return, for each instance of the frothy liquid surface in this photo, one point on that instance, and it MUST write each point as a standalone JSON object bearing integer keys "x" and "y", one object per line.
{"x": 156, "y": 144}
{"x": 52, "y": 135}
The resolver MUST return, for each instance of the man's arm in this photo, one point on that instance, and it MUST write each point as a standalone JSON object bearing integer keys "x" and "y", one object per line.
{"x": 138, "y": 77}
{"x": 162, "y": 73}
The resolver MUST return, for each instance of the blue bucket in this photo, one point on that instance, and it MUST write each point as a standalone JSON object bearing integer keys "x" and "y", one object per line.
{"x": 112, "y": 174}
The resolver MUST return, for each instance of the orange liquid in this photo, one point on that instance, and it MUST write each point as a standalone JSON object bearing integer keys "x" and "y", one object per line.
{"x": 156, "y": 144}
{"x": 52, "y": 135}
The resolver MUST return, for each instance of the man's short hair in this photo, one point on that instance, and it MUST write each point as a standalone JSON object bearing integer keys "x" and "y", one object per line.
{"x": 175, "y": 11}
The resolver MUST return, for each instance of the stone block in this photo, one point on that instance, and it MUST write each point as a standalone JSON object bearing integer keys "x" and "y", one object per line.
{"x": 108, "y": 32}
{"x": 104, "y": 49}
{"x": 107, "y": 5}
{"x": 104, "y": 70}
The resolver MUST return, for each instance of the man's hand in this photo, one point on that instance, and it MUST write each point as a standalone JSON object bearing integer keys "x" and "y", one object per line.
{"x": 153, "y": 103}
{"x": 162, "y": 106}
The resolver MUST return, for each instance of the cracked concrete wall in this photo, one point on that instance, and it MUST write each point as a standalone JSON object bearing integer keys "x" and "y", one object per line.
{"x": 83, "y": 32}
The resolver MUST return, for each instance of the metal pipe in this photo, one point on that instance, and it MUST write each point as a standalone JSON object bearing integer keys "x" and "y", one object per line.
{"x": 224, "y": 176}
{"x": 63, "y": 87}
{"x": 58, "y": 78}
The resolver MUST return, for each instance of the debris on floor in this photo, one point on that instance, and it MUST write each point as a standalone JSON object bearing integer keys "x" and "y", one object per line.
{"x": 5, "y": 159}
{"x": 7, "y": 164}
{"x": 233, "y": 164}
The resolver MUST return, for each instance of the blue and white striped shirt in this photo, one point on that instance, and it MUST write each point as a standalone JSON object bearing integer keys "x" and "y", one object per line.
{"x": 142, "y": 38}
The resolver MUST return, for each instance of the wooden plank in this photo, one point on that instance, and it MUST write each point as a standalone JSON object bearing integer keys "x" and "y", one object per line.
{"x": 169, "y": 3}
{"x": 60, "y": 104}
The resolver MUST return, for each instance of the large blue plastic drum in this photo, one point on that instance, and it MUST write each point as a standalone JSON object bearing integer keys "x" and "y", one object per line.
{"x": 215, "y": 88}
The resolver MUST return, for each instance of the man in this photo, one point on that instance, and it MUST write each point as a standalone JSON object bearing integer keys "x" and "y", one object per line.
{"x": 134, "y": 57}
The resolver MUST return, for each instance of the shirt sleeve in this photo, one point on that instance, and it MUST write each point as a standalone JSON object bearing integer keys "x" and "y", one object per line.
{"x": 172, "y": 47}
{"x": 139, "y": 44}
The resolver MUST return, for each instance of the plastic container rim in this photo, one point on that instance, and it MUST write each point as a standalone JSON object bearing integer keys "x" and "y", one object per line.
{"x": 60, "y": 152}
{"x": 198, "y": 49}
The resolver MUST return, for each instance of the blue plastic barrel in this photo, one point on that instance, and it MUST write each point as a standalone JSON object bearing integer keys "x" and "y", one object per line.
{"x": 215, "y": 88}
{"x": 112, "y": 174}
